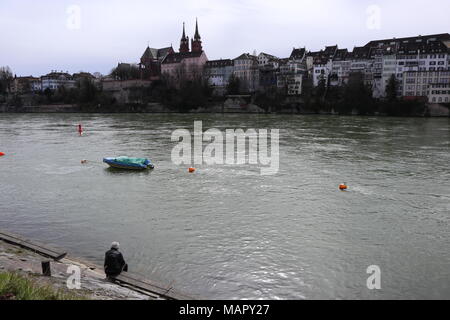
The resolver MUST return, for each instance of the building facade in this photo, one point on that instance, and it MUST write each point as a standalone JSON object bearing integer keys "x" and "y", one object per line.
{"x": 265, "y": 59}
{"x": 292, "y": 72}
{"x": 25, "y": 85}
{"x": 218, "y": 74}
{"x": 430, "y": 84}
{"x": 439, "y": 93}
{"x": 55, "y": 80}
{"x": 340, "y": 70}
{"x": 247, "y": 71}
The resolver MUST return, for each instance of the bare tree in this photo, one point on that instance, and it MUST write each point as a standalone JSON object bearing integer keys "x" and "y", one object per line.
{"x": 6, "y": 77}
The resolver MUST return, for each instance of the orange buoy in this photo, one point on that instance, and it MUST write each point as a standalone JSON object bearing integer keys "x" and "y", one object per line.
{"x": 191, "y": 170}
{"x": 343, "y": 187}
{"x": 1, "y": 154}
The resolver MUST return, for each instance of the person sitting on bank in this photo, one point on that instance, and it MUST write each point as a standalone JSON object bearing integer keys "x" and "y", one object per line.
{"x": 114, "y": 262}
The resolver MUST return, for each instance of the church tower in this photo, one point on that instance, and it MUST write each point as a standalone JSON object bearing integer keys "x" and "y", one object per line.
{"x": 184, "y": 45}
{"x": 197, "y": 41}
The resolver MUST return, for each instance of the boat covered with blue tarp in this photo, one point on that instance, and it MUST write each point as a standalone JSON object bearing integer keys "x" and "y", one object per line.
{"x": 129, "y": 163}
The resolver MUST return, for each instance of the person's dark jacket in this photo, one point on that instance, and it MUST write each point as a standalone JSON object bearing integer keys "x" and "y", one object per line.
{"x": 114, "y": 263}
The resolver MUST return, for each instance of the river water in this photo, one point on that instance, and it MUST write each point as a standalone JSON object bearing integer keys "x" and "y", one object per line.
{"x": 227, "y": 232}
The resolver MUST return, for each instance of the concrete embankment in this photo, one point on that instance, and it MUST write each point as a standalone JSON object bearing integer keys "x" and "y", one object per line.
{"x": 438, "y": 110}
{"x": 231, "y": 105}
{"x": 21, "y": 256}
{"x": 93, "y": 282}
{"x": 60, "y": 108}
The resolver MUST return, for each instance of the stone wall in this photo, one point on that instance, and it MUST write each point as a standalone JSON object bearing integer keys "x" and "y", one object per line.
{"x": 438, "y": 110}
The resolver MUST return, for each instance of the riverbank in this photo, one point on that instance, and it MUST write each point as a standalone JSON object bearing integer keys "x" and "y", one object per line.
{"x": 94, "y": 286}
{"x": 429, "y": 110}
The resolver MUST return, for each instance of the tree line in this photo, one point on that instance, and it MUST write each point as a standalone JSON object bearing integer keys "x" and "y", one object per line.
{"x": 187, "y": 93}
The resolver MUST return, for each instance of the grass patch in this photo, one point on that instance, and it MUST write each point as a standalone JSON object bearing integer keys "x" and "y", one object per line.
{"x": 14, "y": 286}
{"x": 15, "y": 251}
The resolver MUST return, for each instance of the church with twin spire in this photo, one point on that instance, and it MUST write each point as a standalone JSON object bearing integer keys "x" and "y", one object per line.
{"x": 196, "y": 42}
{"x": 188, "y": 63}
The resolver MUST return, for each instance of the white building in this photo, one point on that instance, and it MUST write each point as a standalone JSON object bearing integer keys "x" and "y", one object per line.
{"x": 36, "y": 85}
{"x": 265, "y": 59}
{"x": 321, "y": 71}
{"x": 54, "y": 80}
{"x": 294, "y": 84}
{"x": 340, "y": 70}
{"x": 422, "y": 53}
{"x": 431, "y": 84}
{"x": 389, "y": 70}
{"x": 322, "y": 64}
{"x": 439, "y": 93}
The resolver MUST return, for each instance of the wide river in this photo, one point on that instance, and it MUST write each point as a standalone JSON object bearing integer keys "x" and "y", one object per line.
{"x": 227, "y": 232}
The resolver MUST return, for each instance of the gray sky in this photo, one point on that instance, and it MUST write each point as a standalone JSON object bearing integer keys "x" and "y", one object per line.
{"x": 40, "y": 36}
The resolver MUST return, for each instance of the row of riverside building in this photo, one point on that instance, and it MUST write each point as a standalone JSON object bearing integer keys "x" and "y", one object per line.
{"x": 51, "y": 81}
{"x": 421, "y": 66}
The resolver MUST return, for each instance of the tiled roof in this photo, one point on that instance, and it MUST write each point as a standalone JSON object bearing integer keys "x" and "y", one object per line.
{"x": 29, "y": 78}
{"x": 83, "y": 75}
{"x": 440, "y": 37}
{"x": 298, "y": 53}
{"x": 421, "y": 47}
{"x": 269, "y": 55}
{"x": 361, "y": 53}
{"x": 341, "y": 54}
{"x": 179, "y": 56}
{"x": 246, "y": 56}
{"x": 57, "y": 75}
{"x": 330, "y": 51}
{"x": 155, "y": 54}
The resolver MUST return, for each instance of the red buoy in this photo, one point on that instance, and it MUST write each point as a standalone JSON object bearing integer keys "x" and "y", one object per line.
{"x": 343, "y": 187}
{"x": 1, "y": 154}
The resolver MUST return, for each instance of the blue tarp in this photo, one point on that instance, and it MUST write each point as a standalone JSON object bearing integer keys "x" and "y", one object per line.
{"x": 132, "y": 163}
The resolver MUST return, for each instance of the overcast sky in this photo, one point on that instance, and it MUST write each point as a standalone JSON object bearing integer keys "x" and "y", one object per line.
{"x": 94, "y": 35}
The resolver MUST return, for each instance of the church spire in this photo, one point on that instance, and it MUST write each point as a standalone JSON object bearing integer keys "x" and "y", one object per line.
{"x": 184, "y": 33}
{"x": 197, "y": 42}
{"x": 184, "y": 45}
{"x": 197, "y": 34}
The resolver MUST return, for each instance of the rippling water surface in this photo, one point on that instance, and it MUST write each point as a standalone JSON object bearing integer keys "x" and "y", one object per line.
{"x": 228, "y": 232}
